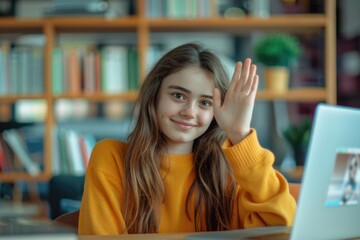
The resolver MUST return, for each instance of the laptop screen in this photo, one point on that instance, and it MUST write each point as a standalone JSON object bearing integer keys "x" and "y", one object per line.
{"x": 344, "y": 183}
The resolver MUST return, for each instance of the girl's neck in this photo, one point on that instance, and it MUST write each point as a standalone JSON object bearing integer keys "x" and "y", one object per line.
{"x": 178, "y": 148}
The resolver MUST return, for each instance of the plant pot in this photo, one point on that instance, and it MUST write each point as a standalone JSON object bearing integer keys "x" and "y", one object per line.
{"x": 276, "y": 79}
{"x": 299, "y": 155}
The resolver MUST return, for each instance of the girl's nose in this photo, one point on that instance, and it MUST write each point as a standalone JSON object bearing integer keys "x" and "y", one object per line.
{"x": 188, "y": 111}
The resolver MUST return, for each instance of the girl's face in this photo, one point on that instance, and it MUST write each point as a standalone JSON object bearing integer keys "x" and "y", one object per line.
{"x": 353, "y": 168}
{"x": 184, "y": 107}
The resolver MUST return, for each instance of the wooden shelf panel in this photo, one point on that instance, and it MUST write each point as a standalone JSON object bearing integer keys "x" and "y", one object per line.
{"x": 22, "y": 176}
{"x": 128, "y": 96}
{"x": 14, "y": 98}
{"x": 19, "y": 23}
{"x": 98, "y": 24}
{"x": 291, "y": 23}
{"x": 12, "y": 25}
{"x": 296, "y": 95}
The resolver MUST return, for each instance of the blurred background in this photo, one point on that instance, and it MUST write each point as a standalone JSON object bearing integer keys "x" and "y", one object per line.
{"x": 70, "y": 71}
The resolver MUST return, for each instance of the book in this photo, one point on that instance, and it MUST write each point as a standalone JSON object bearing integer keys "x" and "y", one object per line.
{"x": 6, "y": 164}
{"x": 73, "y": 147}
{"x": 57, "y": 70}
{"x": 74, "y": 71}
{"x": 4, "y": 53}
{"x": 37, "y": 71}
{"x": 133, "y": 70}
{"x": 13, "y": 138}
{"x": 114, "y": 69}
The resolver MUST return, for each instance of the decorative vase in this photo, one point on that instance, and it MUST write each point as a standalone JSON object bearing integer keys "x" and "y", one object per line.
{"x": 276, "y": 79}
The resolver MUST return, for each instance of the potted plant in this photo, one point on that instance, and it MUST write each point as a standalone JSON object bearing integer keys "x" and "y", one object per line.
{"x": 277, "y": 52}
{"x": 298, "y": 136}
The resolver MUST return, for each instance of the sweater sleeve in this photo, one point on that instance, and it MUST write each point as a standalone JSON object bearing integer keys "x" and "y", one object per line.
{"x": 100, "y": 211}
{"x": 262, "y": 197}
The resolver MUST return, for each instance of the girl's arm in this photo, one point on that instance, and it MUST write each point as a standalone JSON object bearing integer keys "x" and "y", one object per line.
{"x": 262, "y": 197}
{"x": 100, "y": 211}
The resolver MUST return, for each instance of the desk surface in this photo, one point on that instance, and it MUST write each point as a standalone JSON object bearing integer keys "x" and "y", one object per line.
{"x": 174, "y": 236}
{"x": 10, "y": 209}
{"x": 255, "y": 233}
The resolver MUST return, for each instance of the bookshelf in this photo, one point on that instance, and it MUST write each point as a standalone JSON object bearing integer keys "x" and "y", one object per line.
{"x": 142, "y": 27}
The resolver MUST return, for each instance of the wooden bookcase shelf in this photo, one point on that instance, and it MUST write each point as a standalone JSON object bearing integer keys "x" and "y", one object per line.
{"x": 22, "y": 176}
{"x": 129, "y": 96}
{"x": 142, "y": 27}
{"x": 300, "y": 22}
{"x": 295, "y": 95}
{"x": 14, "y": 98}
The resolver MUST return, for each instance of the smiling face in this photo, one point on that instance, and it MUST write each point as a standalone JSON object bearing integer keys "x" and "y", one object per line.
{"x": 184, "y": 107}
{"x": 353, "y": 168}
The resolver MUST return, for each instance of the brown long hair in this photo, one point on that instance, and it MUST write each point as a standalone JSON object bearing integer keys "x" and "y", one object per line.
{"x": 213, "y": 187}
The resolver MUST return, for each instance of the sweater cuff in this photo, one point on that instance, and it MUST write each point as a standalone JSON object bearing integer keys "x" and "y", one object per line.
{"x": 246, "y": 153}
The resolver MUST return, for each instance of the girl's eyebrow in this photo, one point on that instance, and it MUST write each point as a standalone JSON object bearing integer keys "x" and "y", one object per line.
{"x": 188, "y": 91}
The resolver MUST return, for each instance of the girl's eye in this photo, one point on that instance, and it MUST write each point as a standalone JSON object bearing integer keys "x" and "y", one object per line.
{"x": 206, "y": 103}
{"x": 178, "y": 95}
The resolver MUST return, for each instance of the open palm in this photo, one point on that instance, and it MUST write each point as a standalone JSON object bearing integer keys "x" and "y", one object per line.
{"x": 234, "y": 114}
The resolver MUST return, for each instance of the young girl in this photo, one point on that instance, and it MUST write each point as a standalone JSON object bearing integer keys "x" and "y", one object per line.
{"x": 192, "y": 162}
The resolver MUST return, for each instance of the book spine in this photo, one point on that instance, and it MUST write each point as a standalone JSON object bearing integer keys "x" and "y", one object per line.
{"x": 16, "y": 143}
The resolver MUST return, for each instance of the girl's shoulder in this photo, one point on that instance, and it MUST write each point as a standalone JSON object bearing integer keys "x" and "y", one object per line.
{"x": 109, "y": 152}
{"x": 110, "y": 144}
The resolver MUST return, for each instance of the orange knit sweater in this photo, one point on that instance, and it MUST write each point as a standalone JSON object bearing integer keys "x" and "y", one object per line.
{"x": 262, "y": 196}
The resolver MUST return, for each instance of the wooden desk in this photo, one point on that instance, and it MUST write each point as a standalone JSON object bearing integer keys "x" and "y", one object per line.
{"x": 279, "y": 232}
{"x": 174, "y": 236}
{"x": 11, "y": 209}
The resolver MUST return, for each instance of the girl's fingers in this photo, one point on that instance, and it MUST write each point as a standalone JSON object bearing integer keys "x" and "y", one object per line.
{"x": 244, "y": 73}
{"x": 243, "y": 77}
{"x": 255, "y": 84}
{"x": 236, "y": 75}
{"x": 250, "y": 80}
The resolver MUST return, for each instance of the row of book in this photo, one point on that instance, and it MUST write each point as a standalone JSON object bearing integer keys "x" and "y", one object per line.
{"x": 182, "y": 8}
{"x": 21, "y": 150}
{"x": 21, "y": 70}
{"x": 109, "y": 69}
{"x": 71, "y": 151}
{"x": 189, "y": 9}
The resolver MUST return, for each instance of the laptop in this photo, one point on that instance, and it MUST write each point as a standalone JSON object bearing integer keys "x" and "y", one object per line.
{"x": 329, "y": 202}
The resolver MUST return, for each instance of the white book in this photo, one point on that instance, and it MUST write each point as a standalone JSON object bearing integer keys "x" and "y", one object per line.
{"x": 55, "y": 163}
{"x": 73, "y": 146}
{"x": 17, "y": 144}
{"x": 115, "y": 69}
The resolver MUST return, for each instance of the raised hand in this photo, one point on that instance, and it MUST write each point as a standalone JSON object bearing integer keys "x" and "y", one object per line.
{"x": 234, "y": 114}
